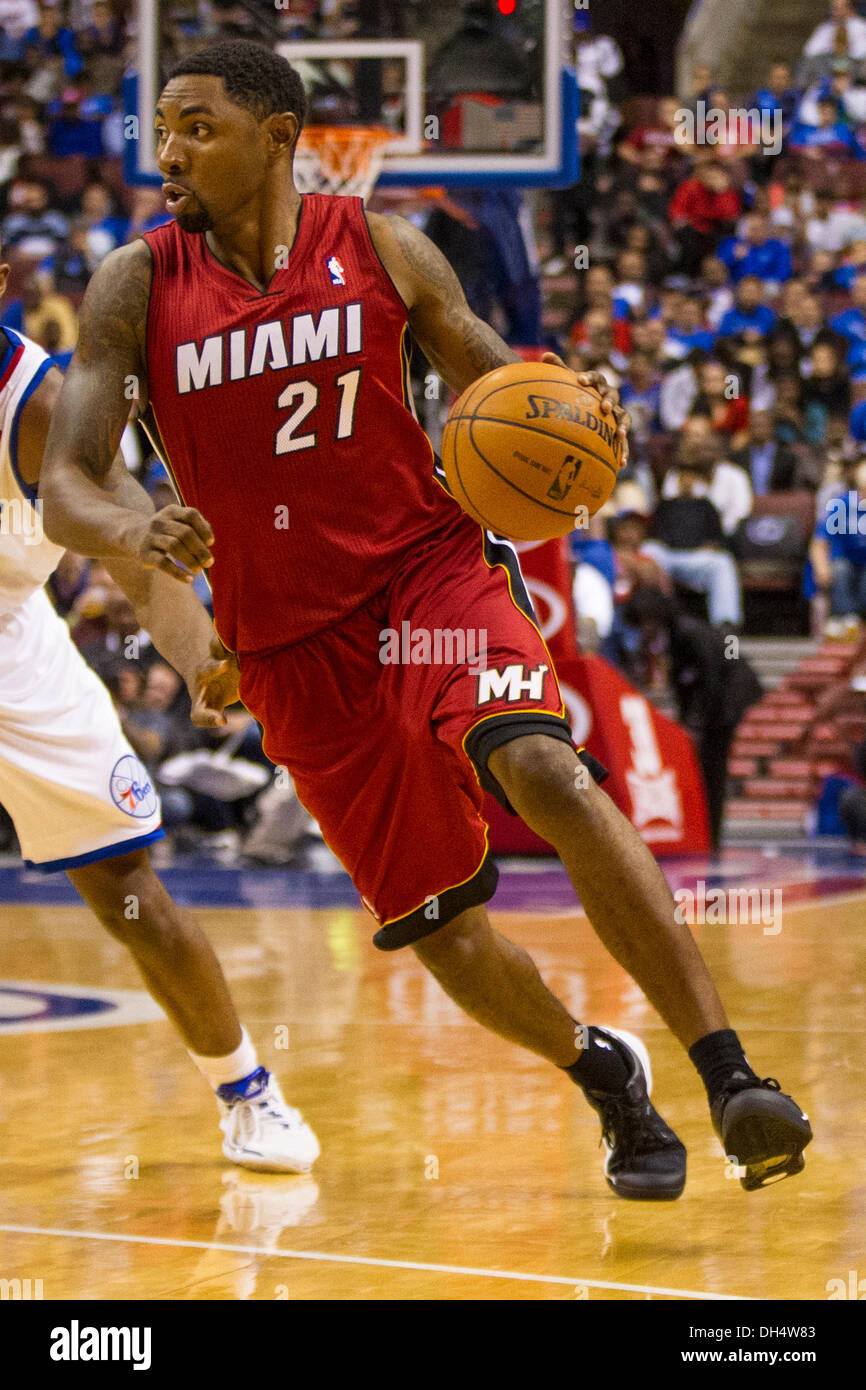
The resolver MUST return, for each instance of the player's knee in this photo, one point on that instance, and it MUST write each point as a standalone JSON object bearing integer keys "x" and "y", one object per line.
{"x": 541, "y": 776}
{"x": 126, "y": 896}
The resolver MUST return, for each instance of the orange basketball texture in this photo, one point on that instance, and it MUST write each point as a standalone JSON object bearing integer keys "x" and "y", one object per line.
{"x": 526, "y": 450}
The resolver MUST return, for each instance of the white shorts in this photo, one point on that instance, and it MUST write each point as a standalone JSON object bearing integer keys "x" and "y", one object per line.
{"x": 75, "y": 790}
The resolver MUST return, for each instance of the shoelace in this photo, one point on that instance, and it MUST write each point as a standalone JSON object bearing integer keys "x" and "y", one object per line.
{"x": 732, "y": 1087}
{"x": 270, "y": 1108}
{"x": 266, "y": 1106}
{"x": 622, "y": 1124}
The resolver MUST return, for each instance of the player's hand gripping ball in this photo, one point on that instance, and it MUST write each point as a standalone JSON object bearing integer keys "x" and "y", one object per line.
{"x": 531, "y": 451}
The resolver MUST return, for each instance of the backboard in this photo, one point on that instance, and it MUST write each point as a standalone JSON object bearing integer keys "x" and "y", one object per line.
{"x": 477, "y": 92}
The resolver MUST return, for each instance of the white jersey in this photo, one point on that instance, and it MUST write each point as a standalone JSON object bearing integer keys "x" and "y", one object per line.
{"x": 69, "y": 779}
{"x": 27, "y": 557}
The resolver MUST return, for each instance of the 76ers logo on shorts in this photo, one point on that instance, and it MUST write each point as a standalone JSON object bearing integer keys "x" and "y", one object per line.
{"x": 131, "y": 788}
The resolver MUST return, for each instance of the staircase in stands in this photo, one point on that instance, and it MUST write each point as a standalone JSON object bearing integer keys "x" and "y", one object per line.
{"x": 787, "y": 744}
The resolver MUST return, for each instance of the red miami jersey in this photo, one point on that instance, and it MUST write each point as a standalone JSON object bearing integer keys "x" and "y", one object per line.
{"x": 286, "y": 419}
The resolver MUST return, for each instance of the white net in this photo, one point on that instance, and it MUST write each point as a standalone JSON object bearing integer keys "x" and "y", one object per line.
{"x": 340, "y": 159}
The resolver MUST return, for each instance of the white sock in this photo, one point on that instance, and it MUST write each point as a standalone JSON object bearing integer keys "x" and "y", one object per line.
{"x": 219, "y": 1071}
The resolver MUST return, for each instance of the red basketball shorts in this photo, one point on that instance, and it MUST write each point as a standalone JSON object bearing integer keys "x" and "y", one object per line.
{"x": 386, "y": 721}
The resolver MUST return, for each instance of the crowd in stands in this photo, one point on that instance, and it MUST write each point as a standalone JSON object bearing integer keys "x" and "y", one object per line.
{"x": 716, "y": 252}
{"x": 715, "y": 273}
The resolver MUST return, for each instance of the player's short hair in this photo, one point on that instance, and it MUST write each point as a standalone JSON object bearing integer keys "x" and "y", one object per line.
{"x": 255, "y": 77}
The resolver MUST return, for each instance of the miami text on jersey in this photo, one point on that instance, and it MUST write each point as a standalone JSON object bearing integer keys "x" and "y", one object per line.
{"x": 273, "y": 345}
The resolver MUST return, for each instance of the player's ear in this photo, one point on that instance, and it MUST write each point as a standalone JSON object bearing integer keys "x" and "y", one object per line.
{"x": 283, "y": 132}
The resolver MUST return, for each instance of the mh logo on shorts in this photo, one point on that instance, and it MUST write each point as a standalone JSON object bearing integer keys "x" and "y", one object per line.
{"x": 131, "y": 788}
{"x": 512, "y": 684}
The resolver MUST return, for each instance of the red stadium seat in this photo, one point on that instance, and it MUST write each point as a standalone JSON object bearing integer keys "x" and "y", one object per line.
{"x": 772, "y": 564}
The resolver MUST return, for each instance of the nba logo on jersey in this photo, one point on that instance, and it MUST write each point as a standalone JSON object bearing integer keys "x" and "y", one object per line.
{"x": 132, "y": 789}
{"x": 337, "y": 272}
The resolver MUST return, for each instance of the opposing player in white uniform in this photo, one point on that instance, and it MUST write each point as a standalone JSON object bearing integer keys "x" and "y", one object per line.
{"x": 81, "y": 800}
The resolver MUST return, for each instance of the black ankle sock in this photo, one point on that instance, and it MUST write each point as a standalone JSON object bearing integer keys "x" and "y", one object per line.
{"x": 600, "y": 1066}
{"x": 719, "y": 1058}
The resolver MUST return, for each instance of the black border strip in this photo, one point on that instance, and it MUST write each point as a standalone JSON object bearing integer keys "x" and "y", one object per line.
{"x": 403, "y": 931}
{"x": 500, "y": 552}
{"x": 492, "y": 733}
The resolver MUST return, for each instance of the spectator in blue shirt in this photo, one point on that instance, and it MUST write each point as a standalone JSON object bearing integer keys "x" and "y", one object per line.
{"x": 855, "y": 361}
{"x": 75, "y": 260}
{"x": 756, "y": 252}
{"x": 50, "y": 40}
{"x": 687, "y": 328}
{"x": 749, "y": 319}
{"x": 838, "y": 551}
{"x": 851, "y": 323}
{"x": 98, "y": 206}
{"x": 148, "y": 212}
{"x": 75, "y": 123}
{"x": 778, "y": 95}
{"x": 845, "y": 275}
{"x": 831, "y": 137}
{"x": 640, "y": 393}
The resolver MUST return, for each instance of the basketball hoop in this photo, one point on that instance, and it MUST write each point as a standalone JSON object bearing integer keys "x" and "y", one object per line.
{"x": 343, "y": 159}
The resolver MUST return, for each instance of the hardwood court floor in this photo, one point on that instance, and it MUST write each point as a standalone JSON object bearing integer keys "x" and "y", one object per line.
{"x": 454, "y": 1166}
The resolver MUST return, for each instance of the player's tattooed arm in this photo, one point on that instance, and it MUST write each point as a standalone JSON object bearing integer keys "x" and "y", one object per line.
{"x": 85, "y": 505}
{"x": 81, "y": 509}
{"x": 459, "y": 345}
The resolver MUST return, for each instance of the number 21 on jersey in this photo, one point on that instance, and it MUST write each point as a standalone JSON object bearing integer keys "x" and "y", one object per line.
{"x": 306, "y": 393}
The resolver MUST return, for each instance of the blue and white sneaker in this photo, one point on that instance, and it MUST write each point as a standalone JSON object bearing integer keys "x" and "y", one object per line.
{"x": 261, "y": 1131}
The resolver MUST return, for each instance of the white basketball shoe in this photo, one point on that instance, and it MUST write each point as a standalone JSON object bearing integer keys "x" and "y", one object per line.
{"x": 263, "y": 1132}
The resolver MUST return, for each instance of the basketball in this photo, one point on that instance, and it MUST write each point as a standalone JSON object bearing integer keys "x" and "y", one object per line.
{"x": 528, "y": 453}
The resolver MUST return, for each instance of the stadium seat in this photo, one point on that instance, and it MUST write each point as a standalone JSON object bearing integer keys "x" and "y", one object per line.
{"x": 67, "y": 174}
{"x": 771, "y": 547}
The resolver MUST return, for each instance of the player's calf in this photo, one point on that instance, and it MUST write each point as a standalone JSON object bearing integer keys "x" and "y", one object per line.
{"x": 173, "y": 954}
{"x": 631, "y": 908}
{"x": 497, "y": 983}
{"x": 183, "y": 974}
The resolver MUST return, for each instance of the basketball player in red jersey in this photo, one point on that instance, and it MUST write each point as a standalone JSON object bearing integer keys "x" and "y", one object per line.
{"x": 266, "y": 334}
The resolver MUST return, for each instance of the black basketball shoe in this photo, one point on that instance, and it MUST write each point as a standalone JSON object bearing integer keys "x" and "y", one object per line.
{"x": 645, "y": 1159}
{"x": 762, "y": 1130}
